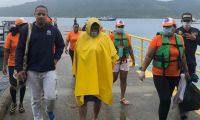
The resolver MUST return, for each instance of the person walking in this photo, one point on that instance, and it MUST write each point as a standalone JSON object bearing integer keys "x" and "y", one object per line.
{"x": 71, "y": 39}
{"x": 45, "y": 49}
{"x": 94, "y": 58}
{"x": 123, "y": 45}
{"x": 9, "y": 63}
{"x": 166, "y": 50}
{"x": 191, "y": 38}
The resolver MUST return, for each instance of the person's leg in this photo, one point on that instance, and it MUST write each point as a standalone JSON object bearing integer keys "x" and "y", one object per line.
{"x": 123, "y": 82}
{"x": 173, "y": 82}
{"x": 36, "y": 86}
{"x": 71, "y": 53}
{"x": 22, "y": 93}
{"x": 191, "y": 69}
{"x": 83, "y": 111}
{"x": 115, "y": 76}
{"x": 116, "y": 72}
{"x": 97, "y": 107}
{"x": 163, "y": 88}
{"x": 124, "y": 68}
{"x": 13, "y": 91}
{"x": 49, "y": 86}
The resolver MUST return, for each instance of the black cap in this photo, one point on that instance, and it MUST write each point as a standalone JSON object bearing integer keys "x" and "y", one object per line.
{"x": 186, "y": 17}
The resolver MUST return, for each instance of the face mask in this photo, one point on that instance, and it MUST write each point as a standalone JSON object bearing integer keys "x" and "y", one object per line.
{"x": 94, "y": 34}
{"x": 167, "y": 31}
{"x": 120, "y": 30}
{"x": 186, "y": 24}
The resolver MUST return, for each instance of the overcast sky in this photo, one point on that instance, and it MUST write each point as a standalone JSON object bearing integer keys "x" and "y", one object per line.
{"x": 4, "y": 3}
{"x": 164, "y": 0}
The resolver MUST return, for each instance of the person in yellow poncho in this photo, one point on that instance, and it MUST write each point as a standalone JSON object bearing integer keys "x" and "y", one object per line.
{"x": 94, "y": 58}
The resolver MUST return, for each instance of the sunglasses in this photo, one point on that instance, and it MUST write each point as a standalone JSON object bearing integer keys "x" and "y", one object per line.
{"x": 41, "y": 14}
{"x": 187, "y": 20}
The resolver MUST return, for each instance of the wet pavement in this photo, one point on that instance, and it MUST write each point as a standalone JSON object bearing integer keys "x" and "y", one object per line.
{"x": 4, "y": 82}
{"x": 142, "y": 96}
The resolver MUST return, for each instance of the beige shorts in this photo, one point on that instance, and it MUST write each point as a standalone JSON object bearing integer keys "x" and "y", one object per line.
{"x": 124, "y": 66}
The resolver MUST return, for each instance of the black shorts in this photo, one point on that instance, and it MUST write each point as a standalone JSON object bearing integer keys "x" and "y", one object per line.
{"x": 12, "y": 80}
{"x": 92, "y": 98}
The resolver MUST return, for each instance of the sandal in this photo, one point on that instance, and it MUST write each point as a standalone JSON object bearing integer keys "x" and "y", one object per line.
{"x": 13, "y": 108}
{"x": 124, "y": 101}
{"x": 21, "y": 108}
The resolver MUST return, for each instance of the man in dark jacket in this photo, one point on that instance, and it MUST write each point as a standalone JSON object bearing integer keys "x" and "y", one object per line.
{"x": 45, "y": 49}
{"x": 191, "y": 38}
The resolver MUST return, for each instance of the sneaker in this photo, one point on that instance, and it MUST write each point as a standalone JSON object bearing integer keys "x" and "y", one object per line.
{"x": 21, "y": 108}
{"x": 13, "y": 108}
{"x": 51, "y": 115}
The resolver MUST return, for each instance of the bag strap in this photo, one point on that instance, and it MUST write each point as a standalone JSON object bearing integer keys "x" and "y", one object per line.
{"x": 30, "y": 25}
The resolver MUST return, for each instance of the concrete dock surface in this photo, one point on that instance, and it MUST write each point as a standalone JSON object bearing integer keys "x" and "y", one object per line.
{"x": 142, "y": 96}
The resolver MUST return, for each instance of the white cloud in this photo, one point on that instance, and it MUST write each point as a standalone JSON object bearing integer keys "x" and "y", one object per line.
{"x": 5, "y": 3}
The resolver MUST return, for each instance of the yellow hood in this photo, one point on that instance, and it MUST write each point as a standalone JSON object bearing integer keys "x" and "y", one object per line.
{"x": 89, "y": 23}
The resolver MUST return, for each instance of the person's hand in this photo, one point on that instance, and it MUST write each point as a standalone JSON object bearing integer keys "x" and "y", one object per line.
{"x": 187, "y": 76}
{"x": 4, "y": 70}
{"x": 66, "y": 51}
{"x": 55, "y": 61}
{"x": 142, "y": 75}
{"x": 22, "y": 75}
{"x": 190, "y": 36}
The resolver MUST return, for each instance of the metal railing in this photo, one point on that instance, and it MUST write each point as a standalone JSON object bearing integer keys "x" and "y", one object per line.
{"x": 141, "y": 47}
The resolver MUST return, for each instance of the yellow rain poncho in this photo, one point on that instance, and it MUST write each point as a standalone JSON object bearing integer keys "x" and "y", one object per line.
{"x": 93, "y": 62}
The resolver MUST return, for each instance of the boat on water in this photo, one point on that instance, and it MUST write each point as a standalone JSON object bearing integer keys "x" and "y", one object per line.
{"x": 107, "y": 18}
{"x": 4, "y": 28}
{"x": 195, "y": 21}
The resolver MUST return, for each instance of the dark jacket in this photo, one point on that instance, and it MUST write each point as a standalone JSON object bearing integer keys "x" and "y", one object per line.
{"x": 46, "y": 45}
{"x": 190, "y": 45}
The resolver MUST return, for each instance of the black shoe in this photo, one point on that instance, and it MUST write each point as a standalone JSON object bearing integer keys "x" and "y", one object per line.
{"x": 21, "y": 108}
{"x": 184, "y": 116}
{"x": 13, "y": 108}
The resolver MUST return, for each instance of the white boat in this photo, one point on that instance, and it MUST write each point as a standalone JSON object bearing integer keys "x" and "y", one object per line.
{"x": 195, "y": 21}
{"x": 107, "y": 18}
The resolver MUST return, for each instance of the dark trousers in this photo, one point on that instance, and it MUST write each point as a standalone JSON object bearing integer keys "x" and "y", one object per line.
{"x": 71, "y": 53}
{"x": 13, "y": 82}
{"x": 165, "y": 86}
{"x": 191, "y": 69}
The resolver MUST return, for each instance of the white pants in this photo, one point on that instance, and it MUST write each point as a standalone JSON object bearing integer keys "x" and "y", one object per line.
{"x": 42, "y": 83}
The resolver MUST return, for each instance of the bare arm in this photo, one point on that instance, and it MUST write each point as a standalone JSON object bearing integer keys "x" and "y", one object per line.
{"x": 132, "y": 55}
{"x": 148, "y": 58}
{"x": 67, "y": 44}
{"x": 5, "y": 61}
